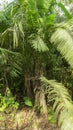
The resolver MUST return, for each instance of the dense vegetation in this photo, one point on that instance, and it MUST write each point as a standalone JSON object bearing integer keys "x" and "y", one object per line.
{"x": 36, "y": 57}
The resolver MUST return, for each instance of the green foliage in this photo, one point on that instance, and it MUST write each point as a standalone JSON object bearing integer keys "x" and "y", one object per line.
{"x": 51, "y": 116}
{"x": 25, "y": 30}
{"x": 64, "y": 43}
{"x": 7, "y": 103}
{"x": 27, "y": 102}
{"x": 67, "y": 14}
{"x": 7, "y": 65}
{"x": 39, "y": 45}
{"x": 62, "y": 104}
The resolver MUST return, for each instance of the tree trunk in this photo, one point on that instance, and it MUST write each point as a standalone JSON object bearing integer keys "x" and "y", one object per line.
{"x": 40, "y": 102}
{"x": 29, "y": 87}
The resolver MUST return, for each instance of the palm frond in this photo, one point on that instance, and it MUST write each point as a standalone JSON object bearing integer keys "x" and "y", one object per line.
{"x": 62, "y": 105}
{"x": 11, "y": 62}
{"x": 63, "y": 40}
{"x": 63, "y": 8}
{"x": 15, "y": 36}
{"x": 15, "y": 66}
{"x": 39, "y": 45}
{"x": 6, "y": 37}
{"x": 12, "y": 35}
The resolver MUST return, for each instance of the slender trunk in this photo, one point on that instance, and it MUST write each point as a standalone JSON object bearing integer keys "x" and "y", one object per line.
{"x": 29, "y": 87}
{"x": 40, "y": 101}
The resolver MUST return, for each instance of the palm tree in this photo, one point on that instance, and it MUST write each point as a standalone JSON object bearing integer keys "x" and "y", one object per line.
{"x": 23, "y": 42}
{"x": 19, "y": 38}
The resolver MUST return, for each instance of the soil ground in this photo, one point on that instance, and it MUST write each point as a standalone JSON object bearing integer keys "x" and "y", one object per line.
{"x": 25, "y": 119}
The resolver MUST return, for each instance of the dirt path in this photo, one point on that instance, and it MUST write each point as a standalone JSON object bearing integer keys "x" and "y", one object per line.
{"x": 25, "y": 119}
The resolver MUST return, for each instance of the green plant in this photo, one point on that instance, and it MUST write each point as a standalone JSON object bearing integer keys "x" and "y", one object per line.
{"x": 22, "y": 47}
{"x": 62, "y": 103}
{"x": 64, "y": 43}
{"x": 51, "y": 116}
{"x": 27, "y": 102}
{"x": 8, "y": 103}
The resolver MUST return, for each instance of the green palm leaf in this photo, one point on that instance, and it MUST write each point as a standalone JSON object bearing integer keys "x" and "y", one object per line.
{"x": 62, "y": 106}
{"x": 63, "y": 40}
{"x": 39, "y": 45}
{"x": 63, "y": 8}
{"x": 11, "y": 62}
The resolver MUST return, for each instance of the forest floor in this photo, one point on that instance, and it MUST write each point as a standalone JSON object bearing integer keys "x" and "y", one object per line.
{"x": 25, "y": 119}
